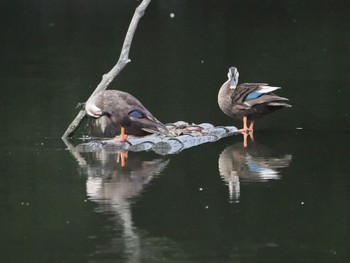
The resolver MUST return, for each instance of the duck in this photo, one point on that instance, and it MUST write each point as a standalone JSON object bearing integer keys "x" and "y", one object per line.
{"x": 248, "y": 101}
{"x": 126, "y": 112}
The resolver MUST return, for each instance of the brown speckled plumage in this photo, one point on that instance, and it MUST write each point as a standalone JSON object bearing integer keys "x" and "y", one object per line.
{"x": 124, "y": 110}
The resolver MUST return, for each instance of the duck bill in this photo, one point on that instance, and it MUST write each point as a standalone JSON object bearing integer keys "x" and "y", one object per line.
{"x": 233, "y": 76}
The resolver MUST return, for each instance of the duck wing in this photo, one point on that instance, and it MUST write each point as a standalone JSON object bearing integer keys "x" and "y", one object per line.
{"x": 141, "y": 116}
{"x": 146, "y": 121}
{"x": 248, "y": 95}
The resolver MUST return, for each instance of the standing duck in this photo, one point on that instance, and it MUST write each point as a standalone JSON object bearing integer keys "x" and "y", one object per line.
{"x": 124, "y": 111}
{"x": 248, "y": 101}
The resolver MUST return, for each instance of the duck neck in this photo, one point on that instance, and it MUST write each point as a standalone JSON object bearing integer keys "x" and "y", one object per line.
{"x": 224, "y": 99}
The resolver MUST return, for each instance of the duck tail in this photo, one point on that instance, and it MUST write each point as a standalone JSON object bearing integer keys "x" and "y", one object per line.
{"x": 157, "y": 130}
{"x": 152, "y": 126}
{"x": 280, "y": 104}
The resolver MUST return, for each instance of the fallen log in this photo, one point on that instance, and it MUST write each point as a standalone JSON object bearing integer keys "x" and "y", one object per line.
{"x": 183, "y": 136}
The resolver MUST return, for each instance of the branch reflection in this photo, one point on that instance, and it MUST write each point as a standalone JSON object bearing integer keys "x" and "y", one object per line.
{"x": 253, "y": 163}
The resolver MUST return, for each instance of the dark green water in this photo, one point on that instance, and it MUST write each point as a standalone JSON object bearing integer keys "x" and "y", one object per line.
{"x": 283, "y": 199}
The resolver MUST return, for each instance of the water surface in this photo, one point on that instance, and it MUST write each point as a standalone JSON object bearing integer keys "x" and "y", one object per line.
{"x": 283, "y": 198}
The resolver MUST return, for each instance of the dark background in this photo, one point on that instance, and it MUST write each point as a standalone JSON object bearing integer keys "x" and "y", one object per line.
{"x": 53, "y": 55}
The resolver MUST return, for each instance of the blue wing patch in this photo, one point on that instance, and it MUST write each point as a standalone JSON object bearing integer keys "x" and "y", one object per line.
{"x": 254, "y": 167}
{"x": 261, "y": 91}
{"x": 135, "y": 114}
{"x": 253, "y": 96}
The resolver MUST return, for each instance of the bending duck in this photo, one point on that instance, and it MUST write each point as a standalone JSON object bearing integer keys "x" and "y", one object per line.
{"x": 248, "y": 101}
{"x": 124, "y": 111}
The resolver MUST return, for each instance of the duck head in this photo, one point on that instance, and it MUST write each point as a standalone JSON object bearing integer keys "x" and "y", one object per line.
{"x": 94, "y": 111}
{"x": 233, "y": 77}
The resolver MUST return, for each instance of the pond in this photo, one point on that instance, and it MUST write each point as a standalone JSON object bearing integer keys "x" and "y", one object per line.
{"x": 283, "y": 198}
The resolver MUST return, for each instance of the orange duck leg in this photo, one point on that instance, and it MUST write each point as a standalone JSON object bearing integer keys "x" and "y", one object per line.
{"x": 123, "y": 136}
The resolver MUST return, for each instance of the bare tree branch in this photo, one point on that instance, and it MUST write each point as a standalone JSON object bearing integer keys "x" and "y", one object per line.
{"x": 122, "y": 62}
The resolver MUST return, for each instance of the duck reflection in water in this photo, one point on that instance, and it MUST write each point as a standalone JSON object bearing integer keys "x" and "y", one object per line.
{"x": 106, "y": 181}
{"x": 114, "y": 189}
{"x": 256, "y": 163}
{"x": 121, "y": 158}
